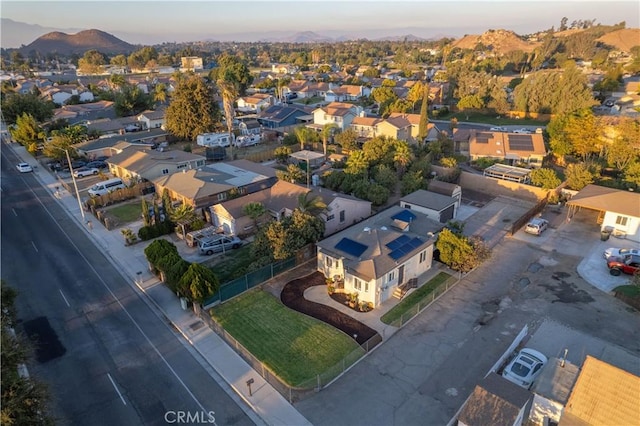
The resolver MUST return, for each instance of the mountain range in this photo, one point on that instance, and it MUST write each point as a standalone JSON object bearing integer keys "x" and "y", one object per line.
{"x": 15, "y": 34}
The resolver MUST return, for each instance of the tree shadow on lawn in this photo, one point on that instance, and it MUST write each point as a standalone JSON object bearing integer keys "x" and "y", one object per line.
{"x": 293, "y": 297}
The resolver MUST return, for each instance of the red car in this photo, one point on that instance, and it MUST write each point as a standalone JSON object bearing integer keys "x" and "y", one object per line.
{"x": 629, "y": 264}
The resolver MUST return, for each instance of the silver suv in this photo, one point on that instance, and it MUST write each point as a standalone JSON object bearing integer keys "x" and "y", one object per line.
{"x": 218, "y": 244}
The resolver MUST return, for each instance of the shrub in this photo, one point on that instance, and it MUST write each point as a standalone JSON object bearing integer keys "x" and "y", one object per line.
{"x": 158, "y": 249}
{"x": 448, "y": 162}
{"x": 545, "y": 178}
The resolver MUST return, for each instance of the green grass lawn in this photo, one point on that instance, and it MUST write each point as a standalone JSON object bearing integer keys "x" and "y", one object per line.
{"x": 294, "y": 346}
{"x": 232, "y": 265}
{"x": 126, "y": 213}
{"x": 414, "y": 298}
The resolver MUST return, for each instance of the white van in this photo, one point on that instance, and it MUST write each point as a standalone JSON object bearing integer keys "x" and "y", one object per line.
{"x": 106, "y": 186}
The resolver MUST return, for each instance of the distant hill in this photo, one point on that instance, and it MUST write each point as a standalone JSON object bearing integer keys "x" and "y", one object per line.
{"x": 79, "y": 43}
{"x": 301, "y": 37}
{"x": 623, "y": 39}
{"x": 499, "y": 41}
{"x": 408, "y": 37}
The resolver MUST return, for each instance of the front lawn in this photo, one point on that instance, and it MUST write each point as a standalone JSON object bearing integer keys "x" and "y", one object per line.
{"x": 231, "y": 265}
{"x": 412, "y": 300}
{"x": 126, "y": 213}
{"x": 294, "y": 346}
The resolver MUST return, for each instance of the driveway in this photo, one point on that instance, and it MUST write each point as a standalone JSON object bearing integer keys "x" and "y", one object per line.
{"x": 426, "y": 370}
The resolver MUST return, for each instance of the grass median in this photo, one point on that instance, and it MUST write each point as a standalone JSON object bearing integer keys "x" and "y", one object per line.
{"x": 414, "y": 298}
{"x": 294, "y": 346}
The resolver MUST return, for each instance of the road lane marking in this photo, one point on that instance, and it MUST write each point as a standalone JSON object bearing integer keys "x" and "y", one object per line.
{"x": 14, "y": 211}
{"x": 34, "y": 246}
{"x": 116, "y": 388}
{"x": 65, "y": 299}
{"x": 126, "y": 312}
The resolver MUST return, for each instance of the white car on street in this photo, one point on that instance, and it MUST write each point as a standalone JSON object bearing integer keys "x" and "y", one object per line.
{"x": 525, "y": 367}
{"x": 522, "y": 131}
{"x": 24, "y": 168}
{"x": 498, "y": 129}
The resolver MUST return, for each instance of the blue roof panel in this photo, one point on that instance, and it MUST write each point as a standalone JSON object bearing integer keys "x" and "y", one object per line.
{"x": 398, "y": 242}
{"x": 404, "y": 215}
{"x": 351, "y": 247}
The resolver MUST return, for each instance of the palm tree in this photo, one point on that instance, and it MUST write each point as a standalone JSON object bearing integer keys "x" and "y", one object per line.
{"x": 254, "y": 210}
{"x": 327, "y": 130}
{"x": 402, "y": 156}
{"x": 313, "y": 206}
{"x": 301, "y": 134}
{"x": 229, "y": 94}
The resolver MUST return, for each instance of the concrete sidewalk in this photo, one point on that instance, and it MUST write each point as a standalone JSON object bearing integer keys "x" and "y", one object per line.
{"x": 271, "y": 407}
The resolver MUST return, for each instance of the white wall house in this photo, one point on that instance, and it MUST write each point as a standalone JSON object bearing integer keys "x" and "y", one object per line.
{"x": 378, "y": 255}
{"x": 337, "y": 113}
{"x": 438, "y": 207}
{"x": 619, "y": 210}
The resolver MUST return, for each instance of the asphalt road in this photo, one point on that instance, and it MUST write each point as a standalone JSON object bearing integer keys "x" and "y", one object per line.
{"x": 108, "y": 358}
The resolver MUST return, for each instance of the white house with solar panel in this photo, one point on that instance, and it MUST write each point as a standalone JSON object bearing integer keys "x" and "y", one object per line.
{"x": 380, "y": 255}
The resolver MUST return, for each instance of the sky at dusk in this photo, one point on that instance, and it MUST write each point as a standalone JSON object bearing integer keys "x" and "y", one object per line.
{"x": 192, "y": 20}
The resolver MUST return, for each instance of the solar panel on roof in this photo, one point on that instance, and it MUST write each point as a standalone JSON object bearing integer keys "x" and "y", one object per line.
{"x": 521, "y": 142}
{"x": 404, "y": 215}
{"x": 406, "y": 248}
{"x": 351, "y": 247}
{"x": 398, "y": 242}
{"x": 483, "y": 137}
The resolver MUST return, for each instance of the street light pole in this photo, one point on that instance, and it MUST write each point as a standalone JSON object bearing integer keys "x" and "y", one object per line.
{"x": 75, "y": 185}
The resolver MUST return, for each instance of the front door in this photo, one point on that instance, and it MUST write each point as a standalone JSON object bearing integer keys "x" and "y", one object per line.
{"x": 401, "y": 275}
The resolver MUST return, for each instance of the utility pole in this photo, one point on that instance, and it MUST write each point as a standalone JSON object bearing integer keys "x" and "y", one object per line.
{"x": 75, "y": 185}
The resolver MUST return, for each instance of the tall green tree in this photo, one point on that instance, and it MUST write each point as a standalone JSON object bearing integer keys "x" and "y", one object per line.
{"x": 234, "y": 70}
{"x": 327, "y": 131}
{"x": 15, "y": 105}
{"x": 314, "y": 205}
{"x": 198, "y": 283}
{"x": 193, "y": 109}
{"x": 229, "y": 93}
{"x": 402, "y": 156}
{"x": 92, "y": 62}
{"x": 423, "y": 125}
{"x": 26, "y": 131}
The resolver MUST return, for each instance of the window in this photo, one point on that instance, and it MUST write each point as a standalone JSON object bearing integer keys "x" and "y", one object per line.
{"x": 181, "y": 166}
{"x": 366, "y": 286}
{"x": 357, "y": 284}
{"x": 330, "y": 217}
{"x": 165, "y": 171}
{"x": 621, "y": 220}
{"x": 328, "y": 261}
{"x": 342, "y": 216}
{"x": 391, "y": 276}
{"x": 222, "y": 196}
{"x": 423, "y": 256}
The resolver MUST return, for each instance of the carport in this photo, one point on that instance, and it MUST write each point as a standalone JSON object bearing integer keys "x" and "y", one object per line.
{"x": 619, "y": 211}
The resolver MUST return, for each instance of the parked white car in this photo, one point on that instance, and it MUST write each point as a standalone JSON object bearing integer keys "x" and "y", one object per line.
{"x": 619, "y": 252}
{"x": 522, "y": 131}
{"x": 525, "y": 367}
{"x": 24, "y": 168}
{"x": 536, "y": 226}
{"x": 84, "y": 171}
{"x": 498, "y": 129}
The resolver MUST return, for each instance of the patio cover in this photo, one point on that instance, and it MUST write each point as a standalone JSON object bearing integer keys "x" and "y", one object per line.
{"x": 601, "y": 198}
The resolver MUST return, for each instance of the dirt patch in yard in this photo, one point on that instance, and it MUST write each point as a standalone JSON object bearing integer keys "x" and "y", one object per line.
{"x": 293, "y": 297}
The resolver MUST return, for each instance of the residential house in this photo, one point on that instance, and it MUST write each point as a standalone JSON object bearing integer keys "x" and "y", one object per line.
{"x": 140, "y": 163}
{"x": 515, "y": 148}
{"x": 191, "y": 63}
{"x": 379, "y": 255}
{"x": 461, "y": 139}
{"x": 250, "y": 127}
{"x": 340, "y": 114}
{"x": 603, "y": 395}
{"x": 551, "y": 391}
{"x": 342, "y": 210}
{"x": 397, "y": 127}
{"x": 82, "y": 113}
{"x": 26, "y": 86}
{"x": 311, "y": 89}
{"x": 414, "y": 120}
{"x": 60, "y": 94}
{"x": 346, "y": 92}
{"x": 619, "y": 211}
{"x": 365, "y": 127}
{"x": 438, "y": 207}
{"x": 215, "y": 183}
{"x": 495, "y": 401}
{"x": 255, "y": 103}
{"x": 281, "y": 115}
{"x": 284, "y": 69}
{"x": 151, "y": 119}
